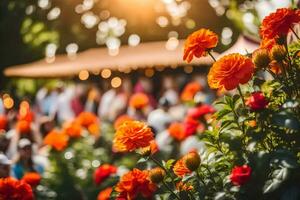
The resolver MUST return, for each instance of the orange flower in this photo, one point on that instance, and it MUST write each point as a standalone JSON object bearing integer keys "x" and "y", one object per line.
{"x": 176, "y": 130}
{"x": 32, "y": 178}
{"x": 105, "y": 194}
{"x": 121, "y": 119}
{"x": 134, "y": 184}
{"x": 275, "y": 67}
{"x": 279, "y": 23}
{"x": 86, "y": 118}
{"x": 3, "y": 122}
{"x": 23, "y": 126}
{"x": 150, "y": 150}
{"x": 181, "y": 186}
{"x": 132, "y": 135}
{"x": 57, "y": 140}
{"x": 12, "y": 189}
{"x": 180, "y": 169}
{"x": 103, "y": 172}
{"x": 190, "y": 90}
{"x": 198, "y": 43}
{"x": 230, "y": 71}
{"x": 94, "y": 129}
{"x": 267, "y": 43}
{"x": 72, "y": 129}
{"x": 138, "y": 100}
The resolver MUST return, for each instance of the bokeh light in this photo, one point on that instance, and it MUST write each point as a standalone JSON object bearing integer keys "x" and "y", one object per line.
{"x": 8, "y": 102}
{"x": 149, "y": 72}
{"x": 116, "y": 82}
{"x": 106, "y": 73}
{"x": 83, "y": 75}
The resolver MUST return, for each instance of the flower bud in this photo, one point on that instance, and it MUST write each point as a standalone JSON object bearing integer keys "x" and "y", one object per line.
{"x": 192, "y": 160}
{"x": 261, "y": 58}
{"x": 278, "y": 53}
{"x": 157, "y": 175}
{"x": 149, "y": 150}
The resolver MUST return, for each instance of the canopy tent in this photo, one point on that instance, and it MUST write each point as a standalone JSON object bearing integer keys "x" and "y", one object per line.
{"x": 151, "y": 54}
{"x": 145, "y": 55}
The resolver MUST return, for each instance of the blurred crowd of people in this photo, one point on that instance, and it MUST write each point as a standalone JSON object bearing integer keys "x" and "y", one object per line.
{"x": 24, "y": 126}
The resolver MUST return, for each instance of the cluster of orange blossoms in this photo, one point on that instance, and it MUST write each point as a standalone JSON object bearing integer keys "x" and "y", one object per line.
{"x": 135, "y": 184}
{"x": 234, "y": 69}
{"x": 12, "y": 189}
{"x": 58, "y": 139}
{"x": 138, "y": 101}
{"x": 132, "y": 135}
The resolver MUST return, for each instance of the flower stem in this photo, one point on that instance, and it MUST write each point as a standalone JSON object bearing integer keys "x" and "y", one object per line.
{"x": 210, "y": 54}
{"x": 161, "y": 166}
{"x": 295, "y": 33}
{"x": 191, "y": 195}
{"x": 241, "y": 95}
{"x": 166, "y": 185}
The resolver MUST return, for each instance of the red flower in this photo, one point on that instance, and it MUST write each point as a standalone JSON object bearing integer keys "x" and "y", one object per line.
{"x": 3, "y": 122}
{"x": 257, "y": 101}
{"x": 32, "y": 178}
{"x": 12, "y": 189}
{"x": 134, "y": 184}
{"x": 279, "y": 23}
{"x": 103, "y": 172}
{"x": 240, "y": 174}
{"x": 190, "y": 126}
{"x": 200, "y": 111}
{"x": 105, "y": 194}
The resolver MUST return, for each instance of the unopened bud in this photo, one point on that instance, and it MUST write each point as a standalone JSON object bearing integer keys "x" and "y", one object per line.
{"x": 157, "y": 175}
{"x": 261, "y": 58}
{"x": 278, "y": 53}
{"x": 192, "y": 160}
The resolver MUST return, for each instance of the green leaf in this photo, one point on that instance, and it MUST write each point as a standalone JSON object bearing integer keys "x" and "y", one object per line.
{"x": 169, "y": 163}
